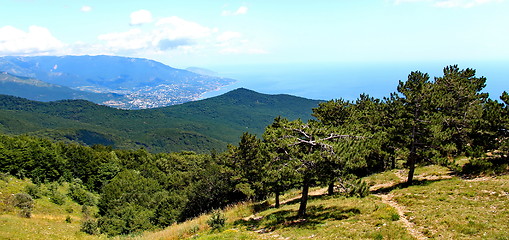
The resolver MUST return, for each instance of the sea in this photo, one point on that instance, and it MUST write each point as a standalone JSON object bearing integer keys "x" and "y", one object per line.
{"x": 327, "y": 81}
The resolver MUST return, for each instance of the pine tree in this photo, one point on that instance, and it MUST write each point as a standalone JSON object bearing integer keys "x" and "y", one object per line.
{"x": 414, "y": 128}
{"x": 457, "y": 103}
{"x": 309, "y": 150}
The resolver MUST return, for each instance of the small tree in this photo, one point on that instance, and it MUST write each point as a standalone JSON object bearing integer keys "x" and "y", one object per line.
{"x": 216, "y": 221}
{"x": 414, "y": 129}
{"x": 24, "y": 202}
{"x": 248, "y": 167}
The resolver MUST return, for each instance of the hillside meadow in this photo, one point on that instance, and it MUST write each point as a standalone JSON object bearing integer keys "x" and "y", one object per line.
{"x": 440, "y": 206}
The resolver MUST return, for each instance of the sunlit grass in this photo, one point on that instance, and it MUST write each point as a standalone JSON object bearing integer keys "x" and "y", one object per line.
{"x": 328, "y": 218}
{"x": 459, "y": 209}
{"x": 387, "y": 177}
{"x": 48, "y": 220}
{"x": 199, "y": 224}
{"x": 439, "y": 208}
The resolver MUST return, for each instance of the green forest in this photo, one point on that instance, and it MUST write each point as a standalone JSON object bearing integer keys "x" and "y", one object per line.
{"x": 127, "y": 191}
{"x": 199, "y": 126}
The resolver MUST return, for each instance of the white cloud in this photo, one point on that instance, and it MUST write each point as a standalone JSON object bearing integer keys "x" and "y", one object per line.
{"x": 240, "y": 11}
{"x": 177, "y": 35}
{"x": 133, "y": 39}
{"x": 234, "y": 50}
{"x": 141, "y": 17}
{"x": 451, "y": 3}
{"x": 227, "y": 36}
{"x": 175, "y": 28}
{"x": 37, "y": 41}
{"x": 86, "y": 9}
{"x": 170, "y": 36}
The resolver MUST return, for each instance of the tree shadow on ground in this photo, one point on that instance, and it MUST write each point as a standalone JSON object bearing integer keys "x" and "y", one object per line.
{"x": 310, "y": 198}
{"x": 316, "y": 215}
{"x": 419, "y": 182}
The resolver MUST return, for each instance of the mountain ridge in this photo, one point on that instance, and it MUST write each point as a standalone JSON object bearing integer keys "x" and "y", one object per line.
{"x": 195, "y": 126}
{"x": 37, "y": 90}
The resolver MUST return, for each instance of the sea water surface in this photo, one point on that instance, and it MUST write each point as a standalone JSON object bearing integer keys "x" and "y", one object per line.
{"x": 326, "y": 81}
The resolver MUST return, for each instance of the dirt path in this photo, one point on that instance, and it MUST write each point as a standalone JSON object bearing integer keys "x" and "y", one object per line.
{"x": 387, "y": 199}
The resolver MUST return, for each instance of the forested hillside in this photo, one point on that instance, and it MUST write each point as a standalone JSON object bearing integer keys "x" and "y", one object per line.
{"x": 37, "y": 90}
{"x": 196, "y": 126}
{"x": 447, "y": 121}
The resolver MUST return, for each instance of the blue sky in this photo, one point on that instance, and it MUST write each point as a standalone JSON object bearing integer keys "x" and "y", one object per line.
{"x": 216, "y": 32}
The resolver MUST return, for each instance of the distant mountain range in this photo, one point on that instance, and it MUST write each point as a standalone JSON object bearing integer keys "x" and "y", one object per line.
{"x": 127, "y": 83}
{"x": 196, "y": 126}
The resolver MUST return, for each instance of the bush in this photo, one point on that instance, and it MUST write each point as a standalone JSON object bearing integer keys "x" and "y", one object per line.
{"x": 354, "y": 187}
{"x": 128, "y": 220}
{"x": 358, "y": 188}
{"x": 216, "y": 221}
{"x": 57, "y": 198}
{"x": 478, "y": 166}
{"x": 54, "y": 195}
{"x": 79, "y": 194}
{"x": 25, "y": 202}
{"x": 89, "y": 226}
{"x": 34, "y": 190}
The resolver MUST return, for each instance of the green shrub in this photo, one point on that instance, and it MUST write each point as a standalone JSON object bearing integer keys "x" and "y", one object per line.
{"x": 25, "y": 202}
{"x": 79, "y": 194}
{"x": 128, "y": 220}
{"x": 34, "y": 191}
{"x": 54, "y": 195}
{"x": 478, "y": 166}
{"x": 217, "y": 220}
{"x": 57, "y": 198}
{"x": 395, "y": 216}
{"x": 89, "y": 226}
{"x": 358, "y": 188}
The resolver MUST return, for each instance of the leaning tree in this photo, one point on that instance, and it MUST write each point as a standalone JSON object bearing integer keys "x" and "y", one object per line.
{"x": 307, "y": 149}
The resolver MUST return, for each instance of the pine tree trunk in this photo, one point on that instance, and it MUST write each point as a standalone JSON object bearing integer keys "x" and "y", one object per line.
{"x": 411, "y": 166}
{"x": 276, "y": 205}
{"x": 304, "y": 198}
{"x": 413, "y": 155}
{"x": 330, "y": 189}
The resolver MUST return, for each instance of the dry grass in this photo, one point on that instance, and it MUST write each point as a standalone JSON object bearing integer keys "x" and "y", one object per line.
{"x": 199, "y": 224}
{"x": 459, "y": 209}
{"x": 438, "y": 206}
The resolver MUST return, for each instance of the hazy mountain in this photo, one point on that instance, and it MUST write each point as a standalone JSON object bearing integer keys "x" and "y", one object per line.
{"x": 37, "y": 90}
{"x": 202, "y": 71}
{"x": 145, "y": 83}
{"x": 198, "y": 126}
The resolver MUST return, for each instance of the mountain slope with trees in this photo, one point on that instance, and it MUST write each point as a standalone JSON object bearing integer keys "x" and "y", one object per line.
{"x": 196, "y": 126}
{"x": 37, "y": 90}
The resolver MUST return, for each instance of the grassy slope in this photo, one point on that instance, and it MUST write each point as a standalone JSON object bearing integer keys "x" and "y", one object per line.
{"x": 196, "y": 126}
{"x": 439, "y": 206}
{"x": 47, "y": 221}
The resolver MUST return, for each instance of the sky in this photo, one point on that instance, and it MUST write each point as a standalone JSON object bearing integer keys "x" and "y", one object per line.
{"x": 225, "y": 32}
